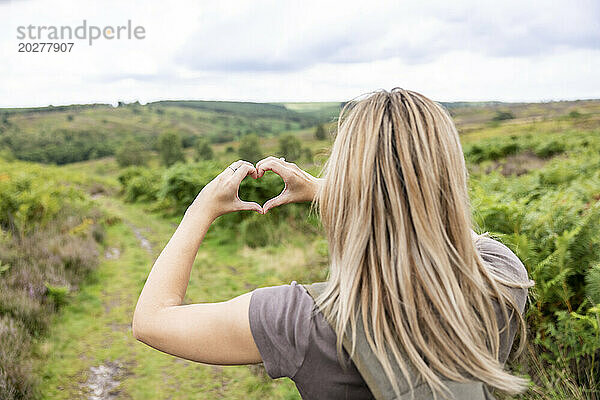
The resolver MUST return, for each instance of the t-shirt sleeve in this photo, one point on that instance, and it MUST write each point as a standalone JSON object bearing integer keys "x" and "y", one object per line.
{"x": 280, "y": 321}
{"x": 506, "y": 264}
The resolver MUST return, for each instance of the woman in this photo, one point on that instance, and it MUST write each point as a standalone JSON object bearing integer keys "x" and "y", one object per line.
{"x": 408, "y": 276}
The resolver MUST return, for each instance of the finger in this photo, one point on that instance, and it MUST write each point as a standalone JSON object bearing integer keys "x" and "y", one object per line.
{"x": 276, "y": 201}
{"x": 233, "y": 168}
{"x": 244, "y": 162}
{"x": 250, "y": 206}
{"x": 243, "y": 171}
{"x": 235, "y": 165}
{"x": 263, "y": 161}
{"x": 275, "y": 165}
{"x": 238, "y": 163}
{"x": 253, "y": 173}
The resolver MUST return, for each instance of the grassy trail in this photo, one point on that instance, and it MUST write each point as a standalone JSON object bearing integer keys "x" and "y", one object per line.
{"x": 90, "y": 352}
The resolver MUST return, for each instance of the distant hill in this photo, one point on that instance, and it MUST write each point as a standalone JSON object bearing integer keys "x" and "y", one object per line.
{"x": 245, "y": 109}
{"x": 66, "y": 134}
{"x": 81, "y": 132}
{"x": 322, "y": 111}
{"x": 46, "y": 109}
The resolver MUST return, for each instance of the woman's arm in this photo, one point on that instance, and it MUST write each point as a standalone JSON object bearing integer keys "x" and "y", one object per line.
{"x": 213, "y": 333}
{"x": 217, "y": 333}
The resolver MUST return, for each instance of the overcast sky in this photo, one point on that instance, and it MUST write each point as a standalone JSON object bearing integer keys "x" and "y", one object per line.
{"x": 306, "y": 50}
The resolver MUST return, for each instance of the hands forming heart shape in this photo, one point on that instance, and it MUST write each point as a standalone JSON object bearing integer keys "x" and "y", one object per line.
{"x": 220, "y": 196}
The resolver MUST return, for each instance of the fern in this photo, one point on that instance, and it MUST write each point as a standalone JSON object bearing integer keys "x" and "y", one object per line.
{"x": 592, "y": 284}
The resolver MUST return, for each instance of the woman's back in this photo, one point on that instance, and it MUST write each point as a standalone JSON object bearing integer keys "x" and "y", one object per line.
{"x": 406, "y": 274}
{"x": 293, "y": 343}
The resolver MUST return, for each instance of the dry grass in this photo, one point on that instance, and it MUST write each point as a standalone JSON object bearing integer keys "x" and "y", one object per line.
{"x": 40, "y": 270}
{"x": 16, "y": 380}
{"x": 518, "y": 164}
{"x": 550, "y": 381}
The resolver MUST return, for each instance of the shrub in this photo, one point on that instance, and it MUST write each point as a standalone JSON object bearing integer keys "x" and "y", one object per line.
{"x": 258, "y": 232}
{"x": 181, "y": 184}
{"x": 573, "y": 342}
{"x": 59, "y": 146}
{"x": 27, "y": 201}
{"x": 16, "y": 379}
{"x": 549, "y": 149}
{"x": 509, "y": 149}
{"x": 592, "y": 280}
{"x": 503, "y": 116}
{"x": 491, "y": 150}
{"x": 557, "y": 174}
{"x": 130, "y": 153}
{"x": 290, "y": 147}
{"x": 20, "y": 306}
{"x": 222, "y": 137}
{"x": 139, "y": 184}
{"x": 550, "y": 219}
{"x": 170, "y": 148}
{"x": 204, "y": 150}
{"x": 474, "y": 153}
{"x": 249, "y": 149}
{"x": 47, "y": 245}
{"x": 320, "y": 133}
{"x": 57, "y": 295}
{"x": 308, "y": 154}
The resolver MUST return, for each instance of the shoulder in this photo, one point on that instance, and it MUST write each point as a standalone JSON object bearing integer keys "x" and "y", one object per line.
{"x": 280, "y": 322}
{"x": 502, "y": 259}
{"x": 292, "y": 298}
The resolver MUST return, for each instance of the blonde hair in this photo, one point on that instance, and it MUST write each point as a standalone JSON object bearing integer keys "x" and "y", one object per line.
{"x": 396, "y": 212}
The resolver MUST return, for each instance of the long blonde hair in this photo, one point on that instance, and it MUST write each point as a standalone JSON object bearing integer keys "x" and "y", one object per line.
{"x": 396, "y": 212}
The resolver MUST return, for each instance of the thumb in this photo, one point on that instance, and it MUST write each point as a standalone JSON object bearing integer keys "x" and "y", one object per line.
{"x": 275, "y": 201}
{"x": 250, "y": 206}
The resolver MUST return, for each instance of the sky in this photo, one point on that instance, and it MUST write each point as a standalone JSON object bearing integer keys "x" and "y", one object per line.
{"x": 275, "y": 50}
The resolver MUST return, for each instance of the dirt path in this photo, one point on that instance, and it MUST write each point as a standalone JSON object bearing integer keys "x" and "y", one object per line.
{"x": 104, "y": 380}
{"x": 144, "y": 243}
{"x": 90, "y": 352}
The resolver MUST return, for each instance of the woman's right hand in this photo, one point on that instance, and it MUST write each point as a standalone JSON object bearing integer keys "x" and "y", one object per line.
{"x": 299, "y": 185}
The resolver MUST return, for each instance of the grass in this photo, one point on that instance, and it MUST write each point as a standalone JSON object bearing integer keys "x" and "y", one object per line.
{"x": 48, "y": 245}
{"x": 93, "y": 328}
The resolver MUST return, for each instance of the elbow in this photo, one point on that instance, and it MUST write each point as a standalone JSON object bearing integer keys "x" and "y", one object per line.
{"x": 139, "y": 326}
{"x": 141, "y": 321}
{"x": 146, "y": 324}
{"x": 135, "y": 331}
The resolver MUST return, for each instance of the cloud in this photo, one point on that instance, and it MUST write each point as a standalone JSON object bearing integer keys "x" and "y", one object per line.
{"x": 269, "y": 50}
{"x": 284, "y": 36}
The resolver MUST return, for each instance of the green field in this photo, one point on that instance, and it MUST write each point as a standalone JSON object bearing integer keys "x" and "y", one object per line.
{"x": 535, "y": 185}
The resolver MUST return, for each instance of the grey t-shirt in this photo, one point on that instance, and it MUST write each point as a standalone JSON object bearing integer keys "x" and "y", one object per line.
{"x": 295, "y": 343}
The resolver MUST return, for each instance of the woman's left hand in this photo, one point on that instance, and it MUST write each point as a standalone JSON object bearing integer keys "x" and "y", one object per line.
{"x": 220, "y": 196}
